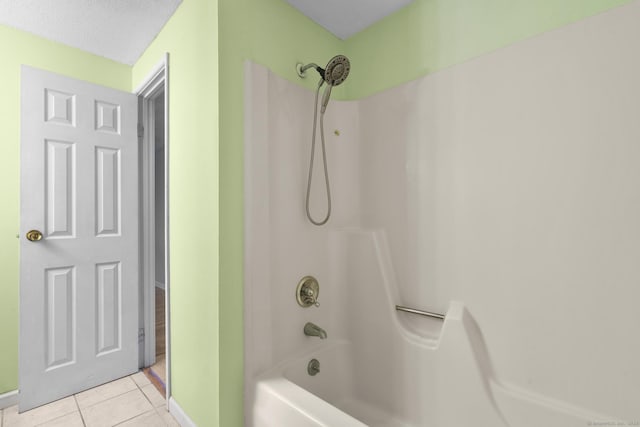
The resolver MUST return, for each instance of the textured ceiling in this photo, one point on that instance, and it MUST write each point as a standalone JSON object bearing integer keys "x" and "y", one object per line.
{"x": 345, "y": 18}
{"x": 116, "y": 29}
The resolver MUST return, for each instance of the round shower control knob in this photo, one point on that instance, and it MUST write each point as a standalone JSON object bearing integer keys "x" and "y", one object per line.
{"x": 307, "y": 292}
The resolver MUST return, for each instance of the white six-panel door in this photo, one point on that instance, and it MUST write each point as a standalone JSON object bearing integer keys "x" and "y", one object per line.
{"x": 79, "y": 283}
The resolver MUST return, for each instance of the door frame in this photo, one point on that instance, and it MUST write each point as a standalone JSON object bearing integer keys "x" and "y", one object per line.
{"x": 147, "y": 91}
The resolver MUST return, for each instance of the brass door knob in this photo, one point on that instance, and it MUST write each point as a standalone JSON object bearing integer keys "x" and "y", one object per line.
{"x": 34, "y": 235}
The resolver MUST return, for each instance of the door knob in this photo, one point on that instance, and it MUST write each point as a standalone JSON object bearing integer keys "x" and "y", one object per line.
{"x": 34, "y": 235}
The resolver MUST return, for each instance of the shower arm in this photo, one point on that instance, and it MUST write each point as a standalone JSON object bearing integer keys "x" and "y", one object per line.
{"x": 302, "y": 69}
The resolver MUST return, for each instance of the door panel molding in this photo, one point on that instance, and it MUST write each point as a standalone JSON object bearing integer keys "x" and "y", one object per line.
{"x": 79, "y": 283}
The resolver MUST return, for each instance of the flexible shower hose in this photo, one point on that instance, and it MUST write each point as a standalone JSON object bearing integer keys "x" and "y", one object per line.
{"x": 324, "y": 160}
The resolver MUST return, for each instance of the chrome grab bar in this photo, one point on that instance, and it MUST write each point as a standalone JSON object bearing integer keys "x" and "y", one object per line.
{"x": 420, "y": 312}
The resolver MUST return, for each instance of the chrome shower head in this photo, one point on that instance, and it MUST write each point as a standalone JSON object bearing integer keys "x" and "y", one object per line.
{"x": 334, "y": 74}
{"x": 337, "y": 70}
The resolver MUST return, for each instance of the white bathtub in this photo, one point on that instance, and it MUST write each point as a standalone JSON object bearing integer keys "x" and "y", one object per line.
{"x": 289, "y": 396}
{"x": 383, "y": 368}
{"x": 449, "y": 384}
{"x": 408, "y": 383}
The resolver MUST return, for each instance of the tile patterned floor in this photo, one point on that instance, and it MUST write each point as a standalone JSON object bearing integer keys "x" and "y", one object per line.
{"x": 128, "y": 402}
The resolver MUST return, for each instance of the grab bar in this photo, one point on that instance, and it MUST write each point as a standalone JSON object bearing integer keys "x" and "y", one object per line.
{"x": 420, "y": 312}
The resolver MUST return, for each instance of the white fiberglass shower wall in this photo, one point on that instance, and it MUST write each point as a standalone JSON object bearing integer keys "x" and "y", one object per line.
{"x": 509, "y": 185}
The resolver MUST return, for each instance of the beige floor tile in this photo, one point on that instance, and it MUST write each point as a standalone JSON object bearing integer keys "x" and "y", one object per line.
{"x": 141, "y": 379}
{"x": 105, "y": 392}
{"x": 116, "y": 410}
{"x": 148, "y": 419}
{"x": 153, "y": 395}
{"x": 167, "y": 417}
{"x": 70, "y": 420}
{"x": 39, "y": 415}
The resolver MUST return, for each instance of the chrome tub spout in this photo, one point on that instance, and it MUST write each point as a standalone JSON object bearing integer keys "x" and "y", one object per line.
{"x": 312, "y": 330}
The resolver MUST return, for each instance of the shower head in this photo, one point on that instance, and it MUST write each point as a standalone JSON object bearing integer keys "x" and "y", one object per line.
{"x": 334, "y": 74}
{"x": 337, "y": 70}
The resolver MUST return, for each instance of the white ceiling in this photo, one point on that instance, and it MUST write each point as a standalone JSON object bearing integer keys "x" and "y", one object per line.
{"x": 345, "y": 18}
{"x": 116, "y": 29}
{"x": 121, "y": 30}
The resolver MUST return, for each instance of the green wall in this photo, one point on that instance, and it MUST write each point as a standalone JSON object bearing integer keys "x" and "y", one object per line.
{"x": 272, "y": 33}
{"x": 206, "y": 181}
{"x": 18, "y": 48}
{"x": 429, "y": 35}
{"x": 190, "y": 37}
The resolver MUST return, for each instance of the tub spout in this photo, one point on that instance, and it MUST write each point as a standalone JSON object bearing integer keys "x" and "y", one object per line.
{"x": 312, "y": 330}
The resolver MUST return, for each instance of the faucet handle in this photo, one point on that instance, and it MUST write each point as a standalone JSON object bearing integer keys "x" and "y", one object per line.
{"x": 307, "y": 292}
{"x": 310, "y": 297}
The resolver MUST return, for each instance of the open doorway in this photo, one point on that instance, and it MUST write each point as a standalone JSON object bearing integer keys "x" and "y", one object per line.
{"x": 154, "y": 248}
{"x": 158, "y": 369}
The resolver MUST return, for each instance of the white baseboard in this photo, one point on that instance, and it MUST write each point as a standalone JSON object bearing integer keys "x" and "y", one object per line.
{"x": 159, "y": 285}
{"x": 178, "y": 413}
{"x": 8, "y": 399}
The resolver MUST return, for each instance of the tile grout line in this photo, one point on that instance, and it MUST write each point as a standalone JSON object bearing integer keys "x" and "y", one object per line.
{"x": 136, "y": 382}
{"x": 75, "y": 399}
{"x": 155, "y": 410}
{"x": 145, "y": 396}
{"x": 129, "y": 419}
{"x": 143, "y": 393}
{"x": 58, "y": 417}
{"x": 106, "y": 400}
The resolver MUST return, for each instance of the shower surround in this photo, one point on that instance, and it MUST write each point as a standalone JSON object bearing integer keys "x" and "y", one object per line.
{"x": 503, "y": 192}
